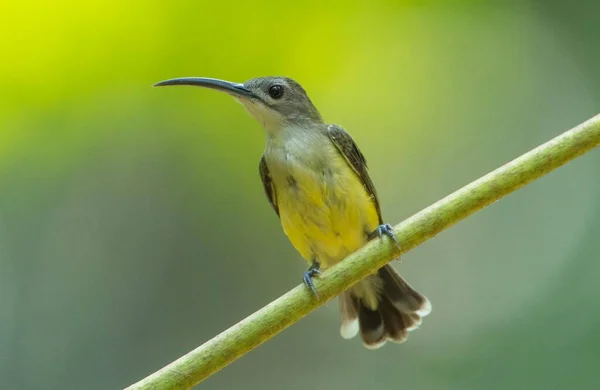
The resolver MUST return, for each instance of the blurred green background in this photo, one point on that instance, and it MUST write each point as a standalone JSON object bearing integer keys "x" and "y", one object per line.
{"x": 133, "y": 225}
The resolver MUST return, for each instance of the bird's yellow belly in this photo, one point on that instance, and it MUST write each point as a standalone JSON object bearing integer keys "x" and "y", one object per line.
{"x": 326, "y": 217}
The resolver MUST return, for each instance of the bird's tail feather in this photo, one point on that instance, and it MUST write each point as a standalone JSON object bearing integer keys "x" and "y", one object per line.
{"x": 399, "y": 309}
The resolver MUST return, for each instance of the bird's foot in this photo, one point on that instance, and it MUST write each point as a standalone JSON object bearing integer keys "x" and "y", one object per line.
{"x": 385, "y": 230}
{"x": 311, "y": 272}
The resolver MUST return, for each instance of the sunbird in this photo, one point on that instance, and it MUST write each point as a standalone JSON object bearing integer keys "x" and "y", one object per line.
{"x": 317, "y": 182}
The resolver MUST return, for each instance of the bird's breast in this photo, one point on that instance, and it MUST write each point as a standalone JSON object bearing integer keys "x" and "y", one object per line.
{"x": 324, "y": 208}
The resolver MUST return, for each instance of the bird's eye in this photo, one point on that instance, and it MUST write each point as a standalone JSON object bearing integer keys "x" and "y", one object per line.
{"x": 276, "y": 91}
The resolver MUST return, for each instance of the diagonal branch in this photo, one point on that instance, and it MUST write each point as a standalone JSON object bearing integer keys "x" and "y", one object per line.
{"x": 259, "y": 327}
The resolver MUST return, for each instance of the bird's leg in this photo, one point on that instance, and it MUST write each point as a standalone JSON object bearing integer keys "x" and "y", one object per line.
{"x": 384, "y": 230}
{"x": 312, "y": 271}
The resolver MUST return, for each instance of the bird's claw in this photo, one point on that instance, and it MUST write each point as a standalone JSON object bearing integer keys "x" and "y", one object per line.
{"x": 385, "y": 230}
{"x": 311, "y": 272}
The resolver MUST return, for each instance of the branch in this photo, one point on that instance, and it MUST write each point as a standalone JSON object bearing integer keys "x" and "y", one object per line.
{"x": 259, "y": 327}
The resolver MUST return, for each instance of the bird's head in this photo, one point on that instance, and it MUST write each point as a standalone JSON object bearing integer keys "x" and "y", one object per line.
{"x": 275, "y": 102}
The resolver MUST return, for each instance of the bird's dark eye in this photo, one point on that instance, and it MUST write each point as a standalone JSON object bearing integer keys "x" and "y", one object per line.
{"x": 276, "y": 91}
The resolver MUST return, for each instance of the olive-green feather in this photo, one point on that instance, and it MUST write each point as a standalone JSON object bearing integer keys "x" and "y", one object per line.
{"x": 267, "y": 181}
{"x": 348, "y": 148}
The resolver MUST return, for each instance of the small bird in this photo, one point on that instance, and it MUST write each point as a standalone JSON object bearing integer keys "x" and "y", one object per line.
{"x": 316, "y": 180}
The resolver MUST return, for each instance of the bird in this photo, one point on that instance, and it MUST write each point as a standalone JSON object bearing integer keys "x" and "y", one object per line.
{"x": 316, "y": 180}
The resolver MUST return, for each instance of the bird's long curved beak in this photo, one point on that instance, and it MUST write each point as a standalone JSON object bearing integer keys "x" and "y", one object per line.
{"x": 235, "y": 89}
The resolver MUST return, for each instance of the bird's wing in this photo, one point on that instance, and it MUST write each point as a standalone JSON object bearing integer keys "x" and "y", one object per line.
{"x": 347, "y": 147}
{"x": 265, "y": 176}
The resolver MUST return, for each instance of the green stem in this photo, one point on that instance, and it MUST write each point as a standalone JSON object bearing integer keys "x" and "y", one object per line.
{"x": 259, "y": 327}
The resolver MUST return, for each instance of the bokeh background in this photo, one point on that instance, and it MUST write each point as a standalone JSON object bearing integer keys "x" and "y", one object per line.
{"x": 133, "y": 225}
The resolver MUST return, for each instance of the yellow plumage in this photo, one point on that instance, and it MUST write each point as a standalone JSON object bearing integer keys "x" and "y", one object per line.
{"x": 324, "y": 208}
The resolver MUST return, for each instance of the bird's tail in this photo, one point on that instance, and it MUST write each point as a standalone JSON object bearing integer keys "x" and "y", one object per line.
{"x": 382, "y": 307}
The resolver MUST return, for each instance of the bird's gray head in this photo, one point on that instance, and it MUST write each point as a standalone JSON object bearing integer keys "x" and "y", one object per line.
{"x": 275, "y": 102}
